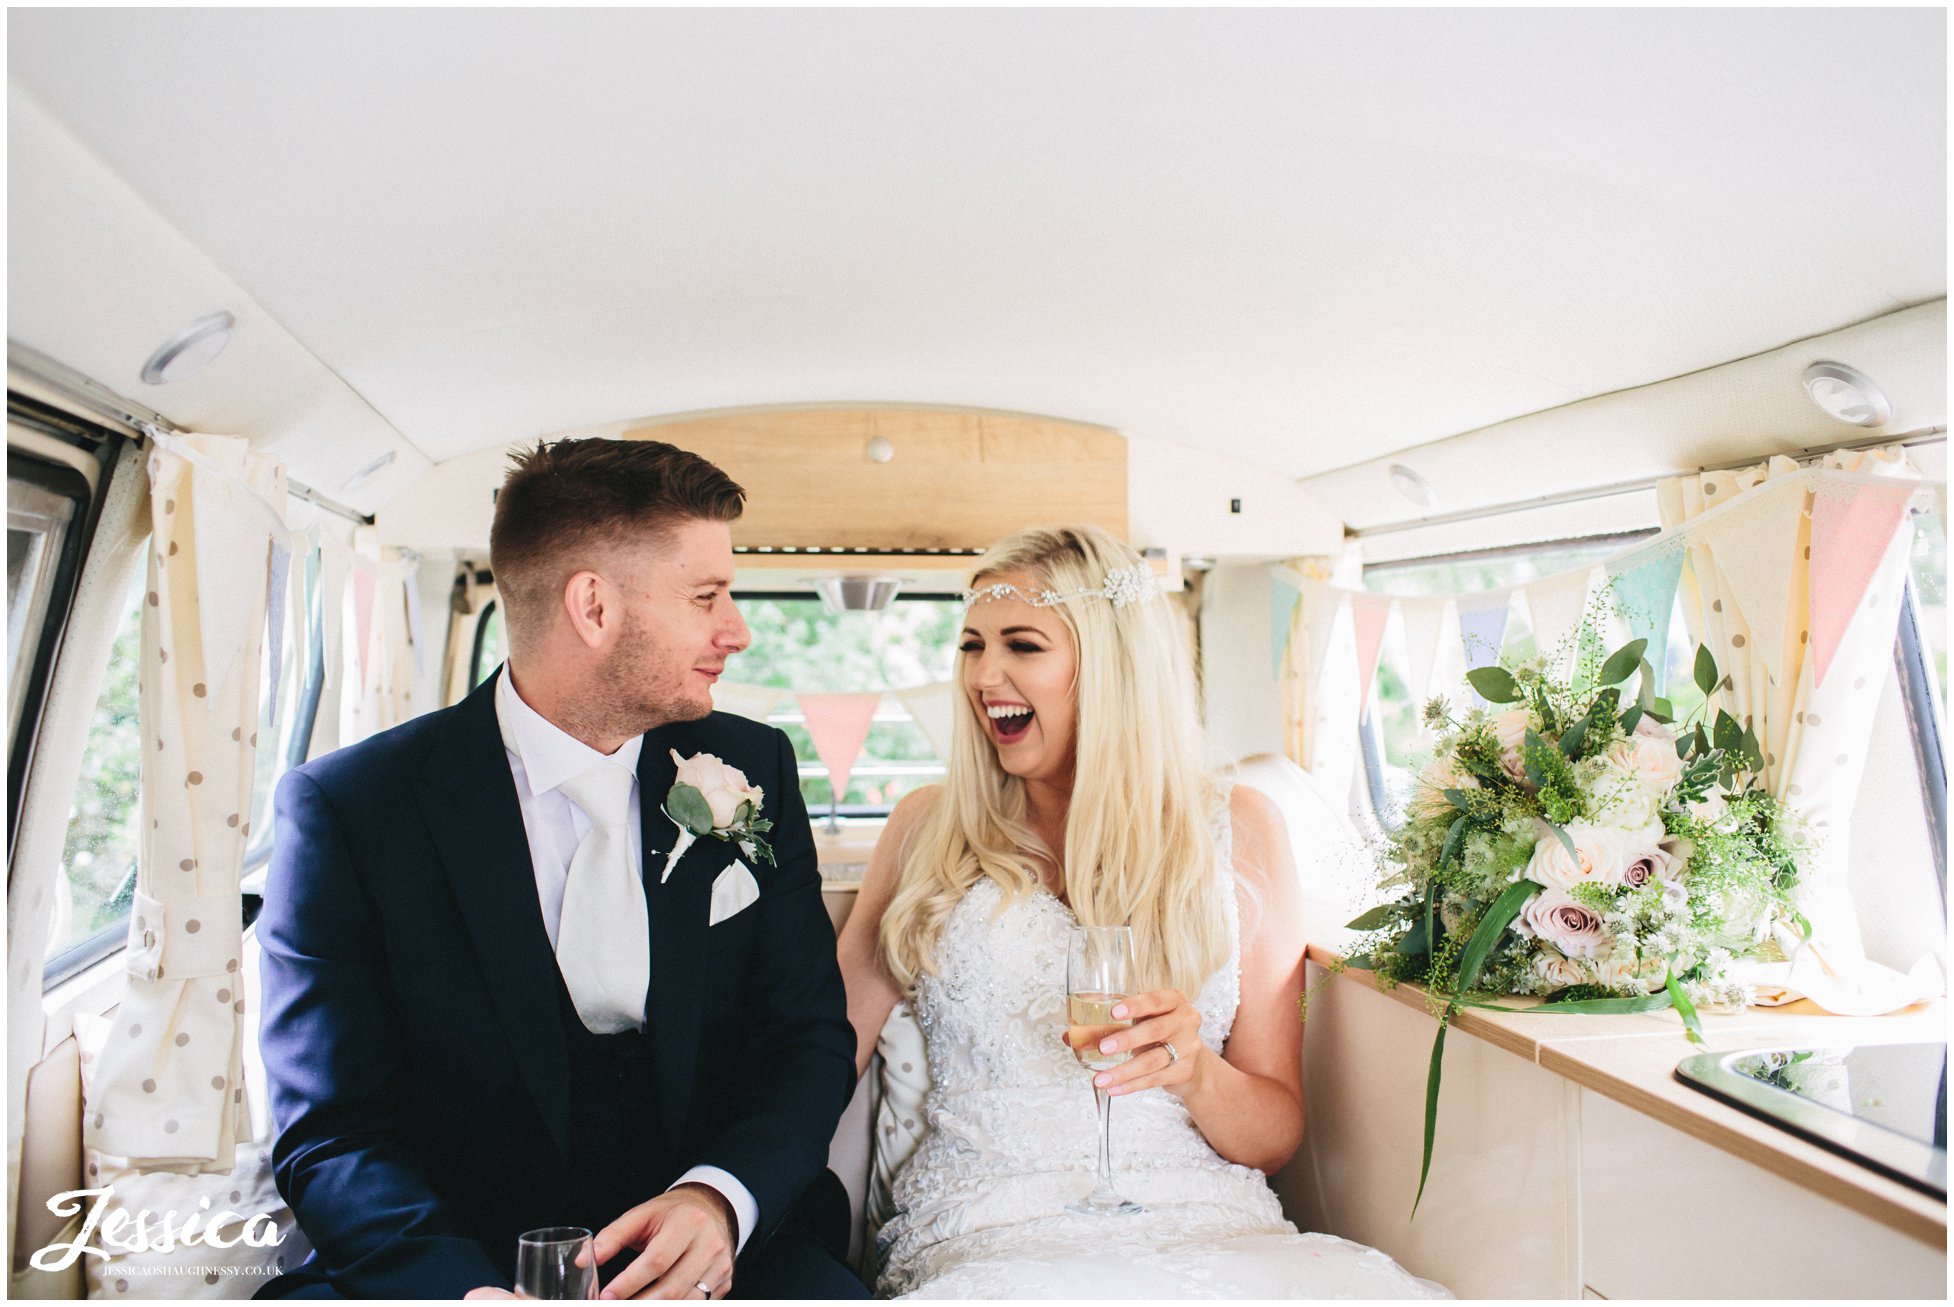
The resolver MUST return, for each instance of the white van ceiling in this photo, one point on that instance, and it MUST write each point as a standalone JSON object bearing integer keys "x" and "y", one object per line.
{"x": 1307, "y": 238}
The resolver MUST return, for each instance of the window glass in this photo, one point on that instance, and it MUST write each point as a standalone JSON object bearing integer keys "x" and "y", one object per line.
{"x": 98, "y": 859}
{"x": 491, "y": 644}
{"x": 37, "y": 523}
{"x": 1929, "y": 562}
{"x": 285, "y": 727}
{"x": 798, "y": 644}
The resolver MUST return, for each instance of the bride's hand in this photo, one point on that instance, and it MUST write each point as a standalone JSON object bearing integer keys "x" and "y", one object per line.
{"x": 1160, "y": 1017}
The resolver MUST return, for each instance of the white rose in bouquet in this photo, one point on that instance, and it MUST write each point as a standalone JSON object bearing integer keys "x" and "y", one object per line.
{"x": 1556, "y": 972}
{"x": 1710, "y": 808}
{"x": 1596, "y": 859}
{"x": 1650, "y": 752}
{"x": 1510, "y": 729}
{"x": 1626, "y": 973}
{"x": 1569, "y": 925}
{"x": 1626, "y": 802}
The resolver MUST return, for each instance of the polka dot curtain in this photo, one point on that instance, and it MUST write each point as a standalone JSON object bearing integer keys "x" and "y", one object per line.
{"x": 1754, "y": 604}
{"x": 168, "y": 1091}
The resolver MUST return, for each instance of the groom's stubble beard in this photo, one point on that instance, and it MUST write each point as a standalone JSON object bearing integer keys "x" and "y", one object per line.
{"x": 642, "y": 685}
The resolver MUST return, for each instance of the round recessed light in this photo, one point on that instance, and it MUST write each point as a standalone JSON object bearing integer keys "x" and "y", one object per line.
{"x": 190, "y": 350}
{"x": 1847, "y": 395}
{"x": 881, "y": 449}
{"x": 1412, "y": 486}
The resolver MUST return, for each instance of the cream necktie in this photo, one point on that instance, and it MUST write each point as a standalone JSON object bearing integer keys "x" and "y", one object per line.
{"x": 603, "y": 937}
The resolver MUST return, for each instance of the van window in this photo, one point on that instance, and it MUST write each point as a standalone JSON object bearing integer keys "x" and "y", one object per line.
{"x": 798, "y": 644}
{"x": 491, "y": 646}
{"x": 39, "y": 517}
{"x": 98, "y": 859}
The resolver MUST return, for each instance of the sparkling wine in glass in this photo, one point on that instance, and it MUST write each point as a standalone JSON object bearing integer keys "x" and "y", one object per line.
{"x": 1098, "y": 972}
{"x": 547, "y": 1263}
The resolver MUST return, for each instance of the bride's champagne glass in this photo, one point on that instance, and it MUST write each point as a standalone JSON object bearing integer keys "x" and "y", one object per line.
{"x": 1098, "y": 971}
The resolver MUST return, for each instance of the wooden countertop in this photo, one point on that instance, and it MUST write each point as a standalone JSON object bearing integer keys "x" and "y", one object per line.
{"x": 1632, "y": 1058}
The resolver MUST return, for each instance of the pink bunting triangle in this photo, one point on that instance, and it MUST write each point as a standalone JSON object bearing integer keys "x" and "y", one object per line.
{"x": 839, "y": 725}
{"x": 1852, "y": 528}
{"x": 1369, "y": 614}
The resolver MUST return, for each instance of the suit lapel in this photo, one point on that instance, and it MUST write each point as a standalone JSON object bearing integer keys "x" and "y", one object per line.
{"x": 679, "y": 907}
{"x": 470, "y": 805}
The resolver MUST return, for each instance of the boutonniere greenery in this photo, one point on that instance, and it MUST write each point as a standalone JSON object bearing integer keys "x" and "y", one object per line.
{"x": 712, "y": 799}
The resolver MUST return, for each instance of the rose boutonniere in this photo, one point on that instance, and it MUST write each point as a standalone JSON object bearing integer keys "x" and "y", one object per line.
{"x": 710, "y": 798}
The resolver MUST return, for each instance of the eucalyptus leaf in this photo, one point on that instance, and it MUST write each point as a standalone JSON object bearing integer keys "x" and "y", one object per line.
{"x": 1662, "y": 710}
{"x": 1494, "y": 684}
{"x": 1729, "y": 736}
{"x": 687, "y": 806}
{"x": 1570, "y": 743}
{"x": 1376, "y": 919}
{"x": 1706, "y": 669}
{"x": 1566, "y": 840}
{"x": 1362, "y": 962}
{"x": 1460, "y": 799}
{"x": 1454, "y": 840}
{"x": 1622, "y": 663}
{"x": 1630, "y": 718}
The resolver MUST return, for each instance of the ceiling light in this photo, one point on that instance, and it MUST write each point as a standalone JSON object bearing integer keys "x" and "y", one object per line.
{"x": 856, "y": 594}
{"x": 1412, "y": 486}
{"x": 367, "y": 471}
{"x": 1847, "y": 394}
{"x": 881, "y": 449}
{"x": 190, "y": 350}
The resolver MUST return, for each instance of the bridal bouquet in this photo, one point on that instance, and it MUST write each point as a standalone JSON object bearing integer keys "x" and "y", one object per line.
{"x": 1597, "y": 853}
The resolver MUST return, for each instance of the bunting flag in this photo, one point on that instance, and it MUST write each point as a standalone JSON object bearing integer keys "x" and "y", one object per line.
{"x": 1322, "y": 611}
{"x": 1645, "y": 586}
{"x": 753, "y": 701}
{"x": 364, "y": 579}
{"x": 1482, "y": 625}
{"x": 1852, "y": 528}
{"x": 1369, "y": 614}
{"x": 1751, "y": 543}
{"x": 934, "y": 709}
{"x": 1425, "y": 621}
{"x": 839, "y": 726}
{"x": 1554, "y": 607}
{"x": 1283, "y": 598}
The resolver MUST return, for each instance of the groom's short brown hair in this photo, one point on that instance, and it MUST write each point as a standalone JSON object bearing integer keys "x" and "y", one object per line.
{"x": 566, "y": 500}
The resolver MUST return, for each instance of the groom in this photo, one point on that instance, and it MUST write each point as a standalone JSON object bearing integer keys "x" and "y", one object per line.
{"x": 490, "y": 1007}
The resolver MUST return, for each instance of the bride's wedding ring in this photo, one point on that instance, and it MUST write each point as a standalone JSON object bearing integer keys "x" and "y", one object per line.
{"x": 1173, "y": 1055}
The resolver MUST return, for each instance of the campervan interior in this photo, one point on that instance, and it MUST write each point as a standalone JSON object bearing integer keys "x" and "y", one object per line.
{"x": 1394, "y": 339}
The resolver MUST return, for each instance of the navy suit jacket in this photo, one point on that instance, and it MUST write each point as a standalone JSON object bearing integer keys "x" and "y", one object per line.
{"x": 412, "y": 1034}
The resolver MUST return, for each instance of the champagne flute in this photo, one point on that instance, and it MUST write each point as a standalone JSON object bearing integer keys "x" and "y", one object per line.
{"x": 547, "y": 1264}
{"x": 1098, "y": 971}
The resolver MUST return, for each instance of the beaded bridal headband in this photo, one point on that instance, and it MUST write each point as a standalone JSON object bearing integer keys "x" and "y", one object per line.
{"x": 1123, "y": 586}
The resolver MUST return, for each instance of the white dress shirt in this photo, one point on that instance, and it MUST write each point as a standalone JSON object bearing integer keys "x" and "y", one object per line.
{"x": 541, "y": 757}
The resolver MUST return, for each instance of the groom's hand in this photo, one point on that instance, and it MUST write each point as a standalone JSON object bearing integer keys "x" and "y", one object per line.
{"x": 687, "y": 1239}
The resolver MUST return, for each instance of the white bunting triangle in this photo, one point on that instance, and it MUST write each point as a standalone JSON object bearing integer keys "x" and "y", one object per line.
{"x": 1554, "y": 607}
{"x": 1424, "y": 622}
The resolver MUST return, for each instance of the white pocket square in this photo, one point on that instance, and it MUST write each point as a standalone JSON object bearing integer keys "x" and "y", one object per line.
{"x": 733, "y": 891}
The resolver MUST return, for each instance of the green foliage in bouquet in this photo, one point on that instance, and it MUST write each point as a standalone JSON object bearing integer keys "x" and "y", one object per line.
{"x": 1573, "y": 843}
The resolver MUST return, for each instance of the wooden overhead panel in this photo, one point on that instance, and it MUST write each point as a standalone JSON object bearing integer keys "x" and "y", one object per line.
{"x": 952, "y": 480}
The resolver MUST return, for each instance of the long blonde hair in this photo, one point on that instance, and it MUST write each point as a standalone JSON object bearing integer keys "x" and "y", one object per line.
{"x": 1139, "y": 838}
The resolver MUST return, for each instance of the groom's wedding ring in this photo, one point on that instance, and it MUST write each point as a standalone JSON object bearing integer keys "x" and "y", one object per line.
{"x": 1172, "y": 1055}
{"x": 703, "y": 1287}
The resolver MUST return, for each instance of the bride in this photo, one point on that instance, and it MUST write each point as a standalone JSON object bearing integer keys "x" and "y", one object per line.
{"x": 1077, "y": 795}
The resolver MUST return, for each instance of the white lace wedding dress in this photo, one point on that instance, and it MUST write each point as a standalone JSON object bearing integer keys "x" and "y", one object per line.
{"x": 1012, "y": 1138}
